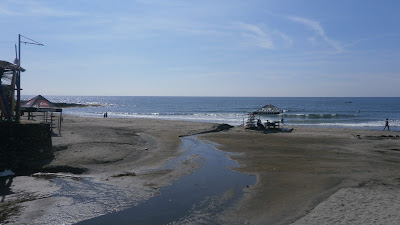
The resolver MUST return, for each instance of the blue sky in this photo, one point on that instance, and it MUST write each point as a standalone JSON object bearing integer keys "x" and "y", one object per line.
{"x": 206, "y": 48}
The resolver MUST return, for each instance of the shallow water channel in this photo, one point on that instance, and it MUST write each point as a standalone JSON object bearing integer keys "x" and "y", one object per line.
{"x": 198, "y": 197}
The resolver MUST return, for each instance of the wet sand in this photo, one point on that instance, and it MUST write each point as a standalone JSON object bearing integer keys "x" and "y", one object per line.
{"x": 326, "y": 176}
{"x": 309, "y": 176}
{"x": 120, "y": 160}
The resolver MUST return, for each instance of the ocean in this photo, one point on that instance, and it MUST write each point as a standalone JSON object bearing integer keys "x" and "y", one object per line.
{"x": 351, "y": 112}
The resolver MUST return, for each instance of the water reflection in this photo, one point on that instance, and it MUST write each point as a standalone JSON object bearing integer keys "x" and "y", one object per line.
{"x": 198, "y": 197}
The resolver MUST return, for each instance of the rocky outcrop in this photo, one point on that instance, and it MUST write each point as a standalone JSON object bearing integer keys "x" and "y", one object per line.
{"x": 216, "y": 128}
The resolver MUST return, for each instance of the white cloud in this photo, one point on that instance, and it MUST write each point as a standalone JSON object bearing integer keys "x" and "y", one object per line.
{"x": 288, "y": 41}
{"x": 256, "y": 34}
{"x": 263, "y": 37}
{"x": 6, "y": 12}
{"x": 319, "y": 30}
{"x": 47, "y": 11}
{"x": 33, "y": 8}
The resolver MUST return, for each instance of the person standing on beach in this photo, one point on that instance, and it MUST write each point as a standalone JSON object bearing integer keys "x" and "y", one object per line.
{"x": 387, "y": 124}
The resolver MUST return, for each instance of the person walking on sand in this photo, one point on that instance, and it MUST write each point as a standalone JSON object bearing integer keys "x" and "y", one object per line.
{"x": 387, "y": 124}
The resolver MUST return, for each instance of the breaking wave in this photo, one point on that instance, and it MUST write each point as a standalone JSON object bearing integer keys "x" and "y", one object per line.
{"x": 318, "y": 116}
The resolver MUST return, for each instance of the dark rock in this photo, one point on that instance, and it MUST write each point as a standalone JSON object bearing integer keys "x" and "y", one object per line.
{"x": 223, "y": 126}
{"x": 63, "y": 169}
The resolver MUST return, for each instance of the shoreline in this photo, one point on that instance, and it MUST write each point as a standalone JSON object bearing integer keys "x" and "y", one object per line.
{"x": 296, "y": 172}
{"x": 239, "y": 122}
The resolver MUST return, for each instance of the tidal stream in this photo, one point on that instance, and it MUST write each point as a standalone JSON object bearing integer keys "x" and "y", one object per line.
{"x": 199, "y": 197}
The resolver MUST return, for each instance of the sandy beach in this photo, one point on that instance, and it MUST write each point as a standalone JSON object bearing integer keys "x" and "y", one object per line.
{"x": 316, "y": 176}
{"x": 308, "y": 176}
{"x": 121, "y": 157}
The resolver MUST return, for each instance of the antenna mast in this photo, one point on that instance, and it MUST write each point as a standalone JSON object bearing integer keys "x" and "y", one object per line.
{"x": 31, "y": 42}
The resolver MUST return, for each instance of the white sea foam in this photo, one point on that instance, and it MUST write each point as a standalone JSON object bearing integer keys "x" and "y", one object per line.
{"x": 332, "y": 112}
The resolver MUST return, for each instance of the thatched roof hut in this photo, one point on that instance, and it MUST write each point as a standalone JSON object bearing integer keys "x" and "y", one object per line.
{"x": 268, "y": 109}
{"x": 10, "y": 67}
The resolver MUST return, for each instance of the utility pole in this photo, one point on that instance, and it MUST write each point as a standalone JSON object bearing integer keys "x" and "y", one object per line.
{"x": 31, "y": 42}
{"x": 18, "y": 106}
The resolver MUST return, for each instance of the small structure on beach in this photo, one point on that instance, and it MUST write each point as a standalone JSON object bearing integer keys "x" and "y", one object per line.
{"x": 9, "y": 104}
{"x": 39, "y": 104}
{"x": 268, "y": 109}
{"x": 45, "y": 110}
{"x": 250, "y": 122}
{"x": 269, "y": 127}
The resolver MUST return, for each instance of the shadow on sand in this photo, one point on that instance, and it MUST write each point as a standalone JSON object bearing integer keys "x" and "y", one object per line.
{"x": 5, "y": 184}
{"x": 271, "y": 130}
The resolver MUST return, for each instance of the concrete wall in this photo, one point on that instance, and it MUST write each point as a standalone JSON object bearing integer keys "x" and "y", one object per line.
{"x": 24, "y": 147}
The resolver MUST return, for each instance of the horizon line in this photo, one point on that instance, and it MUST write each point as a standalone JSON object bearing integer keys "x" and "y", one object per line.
{"x": 205, "y": 96}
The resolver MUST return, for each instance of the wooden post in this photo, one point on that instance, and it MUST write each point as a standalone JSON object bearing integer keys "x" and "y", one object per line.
{"x": 51, "y": 121}
{"x": 18, "y": 106}
{"x": 59, "y": 130}
{"x": 13, "y": 81}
